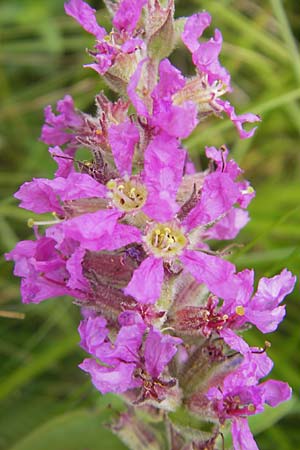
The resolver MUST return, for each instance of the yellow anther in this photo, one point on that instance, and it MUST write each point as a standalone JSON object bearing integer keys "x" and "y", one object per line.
{"x": 121, "y": 187}
{"x": 132, "y": 191}
{"x": 225, "y": 317}
{"x": 167, "y": 230}
{"x": 99, "y": 132}
{"x": 157, "y": 231}
{"x": 30, "y": 223}
{"x": 240, "y": 310}
{"x": 251, "y": 408}
{"x": 111, "y": 184}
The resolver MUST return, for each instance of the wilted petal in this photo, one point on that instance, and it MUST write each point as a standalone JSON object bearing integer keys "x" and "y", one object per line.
{"x": 146, "y": 283}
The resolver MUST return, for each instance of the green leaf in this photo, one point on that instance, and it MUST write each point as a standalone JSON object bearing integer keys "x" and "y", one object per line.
{"x": 78, "y": 430}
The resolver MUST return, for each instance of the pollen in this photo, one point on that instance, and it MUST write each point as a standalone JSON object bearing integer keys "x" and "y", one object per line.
{"x": 164, "y": 240}
{"x": 129, "y": 195}
{"x": 240, "y": 310}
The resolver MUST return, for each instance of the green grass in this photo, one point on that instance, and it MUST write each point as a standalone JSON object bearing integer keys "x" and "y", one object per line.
{"x": 41, "y": 57}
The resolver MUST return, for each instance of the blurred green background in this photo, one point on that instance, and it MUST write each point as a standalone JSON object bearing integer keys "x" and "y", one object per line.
{"x": 46, "y": 401}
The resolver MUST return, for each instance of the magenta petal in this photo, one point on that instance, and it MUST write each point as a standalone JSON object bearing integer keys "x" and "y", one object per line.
{"x": 159, "y": 350}
{"x": 122, "y": 138}
{"x": 92, "y": 229}
{"x": 132, "y": 87}
{"x": 206, "y": 59}
{"x": 210, "y": 270}
{"x": 234, "y": 341}
{"x": 118, "y": 379}
{"x": 177, "y": 121}
{"x": 123, "y": 235}
{"x": 239, "y": 121}
{"x": 64, "y": 161}
{"x": 93, "y": 332}
{"x": 74, "y": 267}
{"x": 264, "y": 311}
{"x": 219, "y": 193}
{"x": 85, "y": 16}
{"x": 146, "y": 283}
{"x": 275, "y": 392}
{"x": 128, "y": 14}
{"x": 229, "y": 226}
{"x": 39, "y": 197}
{"x": 194, "y": 28}
{"x": 271, "y": 291}
{"x": 170, "y": 81}
{"x": 242, "y": 436}
{"x": 77, "y": 185}
{"x": 164, "y": 163}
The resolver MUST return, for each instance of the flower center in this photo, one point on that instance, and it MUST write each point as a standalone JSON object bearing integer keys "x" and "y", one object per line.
{"x": 164, "y": 240}
{"x": 128, "y": 195}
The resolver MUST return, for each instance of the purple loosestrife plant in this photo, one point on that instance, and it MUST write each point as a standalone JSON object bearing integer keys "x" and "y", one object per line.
{"x": 130, "y": 235}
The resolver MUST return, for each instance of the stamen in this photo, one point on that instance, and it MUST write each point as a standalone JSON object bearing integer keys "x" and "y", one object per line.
{"x": 165, "y": 241}
{"x": 31, "y": 222}
{"x": 128, "y": 195}
{"x": 240, "y": 310}
{"x": 264, "y": 349}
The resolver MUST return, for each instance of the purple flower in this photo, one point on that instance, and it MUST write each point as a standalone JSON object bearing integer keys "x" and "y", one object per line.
{"x": 175, "y": 240}
{"x": 214, "y": 80}
{"x": 128, "y": 15}
{"x": 46, "y": 272}
{"x": 241, "y": 395}
{"x": 205, "y": 55}
{"x": 85, "y": 16}
{"x": 42, "y": 195}
{"x": 158, "y": 106}
{"x": 264, "y": 309}
{"x": 123, "y": 149}
{"x": 238, "y": 308}
{"x": 119, "y": 42}
{"x": 144, "y": 363}
{"x": 59, "y": 130}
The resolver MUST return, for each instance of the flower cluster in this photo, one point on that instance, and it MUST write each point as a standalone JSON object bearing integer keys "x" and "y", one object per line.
{"x": 131, "y": 231}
